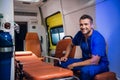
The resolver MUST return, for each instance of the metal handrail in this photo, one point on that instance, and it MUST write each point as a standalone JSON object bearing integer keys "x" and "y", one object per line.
{"x": 53, "y": 58}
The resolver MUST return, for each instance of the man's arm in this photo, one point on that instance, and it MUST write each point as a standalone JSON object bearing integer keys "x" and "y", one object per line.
{"x": 94, "y": 60}
{"x": 68, "y": 50}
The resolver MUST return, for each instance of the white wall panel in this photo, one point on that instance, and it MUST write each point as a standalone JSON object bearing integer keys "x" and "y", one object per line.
{"x": 73, "y": 12}
{"x": 51, "y": 7}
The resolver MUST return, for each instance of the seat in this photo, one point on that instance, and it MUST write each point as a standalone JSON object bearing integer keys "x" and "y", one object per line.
{"x": 61, "y": 48}
{"x": 62, "y": 45}
{"x": 32, "y": 43}
{"x": 106, "y": 76}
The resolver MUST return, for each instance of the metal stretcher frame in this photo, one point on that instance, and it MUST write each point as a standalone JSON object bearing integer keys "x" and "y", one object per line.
{"x": 31, "y": 67}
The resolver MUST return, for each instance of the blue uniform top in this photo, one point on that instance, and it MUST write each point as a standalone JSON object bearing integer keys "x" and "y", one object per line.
{"x": 94, "y": 45}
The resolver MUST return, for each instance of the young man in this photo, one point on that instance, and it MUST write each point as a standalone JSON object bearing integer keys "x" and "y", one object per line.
{"x": 92, "y": 43}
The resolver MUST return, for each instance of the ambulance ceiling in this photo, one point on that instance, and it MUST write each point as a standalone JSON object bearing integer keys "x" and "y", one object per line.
{"x": 23, "y": 5}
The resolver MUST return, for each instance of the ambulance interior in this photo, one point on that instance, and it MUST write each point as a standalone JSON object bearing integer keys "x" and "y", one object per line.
{"x": 48, "y": 22}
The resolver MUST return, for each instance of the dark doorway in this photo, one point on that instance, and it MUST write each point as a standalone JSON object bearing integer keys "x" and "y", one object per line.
{"x": 20, "y": 37}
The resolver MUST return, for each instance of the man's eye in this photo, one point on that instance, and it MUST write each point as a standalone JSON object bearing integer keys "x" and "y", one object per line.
{"x": 85, "y": 24}
{"x": 81, "y": 24}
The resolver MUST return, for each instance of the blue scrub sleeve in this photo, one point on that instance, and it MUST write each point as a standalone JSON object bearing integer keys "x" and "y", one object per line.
{"x": 98, "y": 46}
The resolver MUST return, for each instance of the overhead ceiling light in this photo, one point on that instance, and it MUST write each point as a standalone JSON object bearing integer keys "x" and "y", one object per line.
{"x": 29, "y": 0}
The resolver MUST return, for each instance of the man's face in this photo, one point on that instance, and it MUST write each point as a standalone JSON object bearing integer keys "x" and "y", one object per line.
{"x": 85, "y": 26}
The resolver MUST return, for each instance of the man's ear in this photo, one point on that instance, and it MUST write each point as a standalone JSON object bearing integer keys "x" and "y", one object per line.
{"x": 92, "y": 26}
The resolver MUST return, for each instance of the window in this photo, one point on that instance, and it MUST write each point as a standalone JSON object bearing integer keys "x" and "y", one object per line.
{"x": 57, "y": 34}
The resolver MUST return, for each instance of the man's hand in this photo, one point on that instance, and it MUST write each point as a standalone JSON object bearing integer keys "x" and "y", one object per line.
{"x": 64, "y": 59}
{"x": 71, "y": 66}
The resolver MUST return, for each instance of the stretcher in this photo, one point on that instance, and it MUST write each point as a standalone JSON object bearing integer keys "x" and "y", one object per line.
{"x": 31, "y": 67}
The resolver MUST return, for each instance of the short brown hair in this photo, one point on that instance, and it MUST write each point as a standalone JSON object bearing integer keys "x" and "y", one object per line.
{"x": 85, "y": 16}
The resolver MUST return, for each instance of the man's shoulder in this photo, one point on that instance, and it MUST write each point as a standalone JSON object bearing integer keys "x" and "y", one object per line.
{"x": 96, "y": 33}
{"x": 79, "y": 33}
